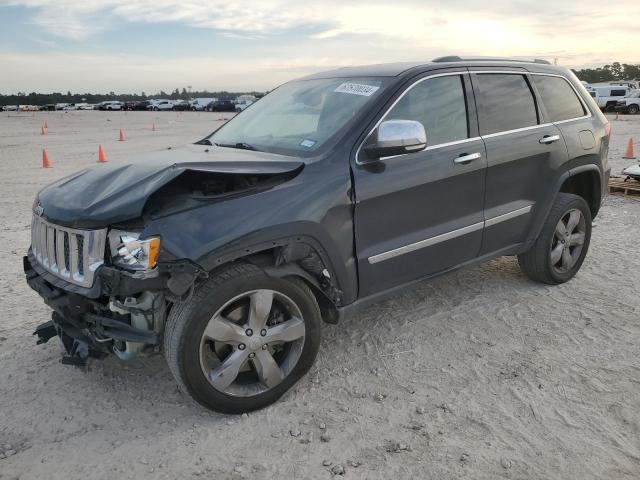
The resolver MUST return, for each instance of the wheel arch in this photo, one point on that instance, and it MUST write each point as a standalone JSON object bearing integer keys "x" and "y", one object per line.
{"x": 586, "y": 182}
{"x": 300, "y": 256}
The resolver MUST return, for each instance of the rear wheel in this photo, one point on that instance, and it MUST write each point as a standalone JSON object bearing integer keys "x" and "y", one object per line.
{"x": 243, "y": 339}
{"x": 633, "y": 109}
{"x": 558, "y": 253}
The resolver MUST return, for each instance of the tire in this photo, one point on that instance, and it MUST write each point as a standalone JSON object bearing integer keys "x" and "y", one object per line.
{"x": 633, "y": 109}
{"x": 538, "y": 262}
{"x": 186, "y": 346}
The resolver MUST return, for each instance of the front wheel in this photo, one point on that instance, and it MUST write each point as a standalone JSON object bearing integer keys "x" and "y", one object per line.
{"x": 633, "y": 109}
{"x": 243, "y": 339}
{"x": 558, "y": 253}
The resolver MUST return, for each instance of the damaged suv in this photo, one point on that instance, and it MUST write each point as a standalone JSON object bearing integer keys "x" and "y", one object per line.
{"x": 328, "y": 194}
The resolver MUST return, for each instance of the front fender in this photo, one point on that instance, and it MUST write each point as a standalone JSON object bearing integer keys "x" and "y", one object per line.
{"x": 313, "y": 208}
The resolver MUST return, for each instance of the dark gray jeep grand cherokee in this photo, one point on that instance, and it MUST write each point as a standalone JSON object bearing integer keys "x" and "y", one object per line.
{"x": 328, "y": 194}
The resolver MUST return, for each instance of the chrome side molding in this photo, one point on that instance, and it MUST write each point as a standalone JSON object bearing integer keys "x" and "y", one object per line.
{"x": 428, "y": 242}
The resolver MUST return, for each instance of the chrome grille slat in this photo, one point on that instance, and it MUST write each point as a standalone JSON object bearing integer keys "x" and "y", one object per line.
{"x": 51, "y": 249}
{"x": 71, "y": 254}
{"x": 62, "y": 264}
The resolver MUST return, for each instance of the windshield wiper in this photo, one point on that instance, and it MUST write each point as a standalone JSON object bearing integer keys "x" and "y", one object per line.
{"x": 239, "y": 145}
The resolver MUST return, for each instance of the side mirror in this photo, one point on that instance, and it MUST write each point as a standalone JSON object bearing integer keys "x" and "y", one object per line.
{"x": 396, "y": 137}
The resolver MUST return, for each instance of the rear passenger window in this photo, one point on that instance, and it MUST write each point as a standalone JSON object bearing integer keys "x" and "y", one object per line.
{"x": 439, "y": 104}
{"x": 560, "y": 100}
{"x": 505, "y": 102}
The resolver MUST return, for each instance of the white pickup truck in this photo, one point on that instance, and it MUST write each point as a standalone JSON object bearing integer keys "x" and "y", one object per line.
{"x": 630, "y": 103}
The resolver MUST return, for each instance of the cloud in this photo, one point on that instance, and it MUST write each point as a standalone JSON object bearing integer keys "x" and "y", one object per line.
{"x": 408, "y": 19}
{"x": 289, "y": 38}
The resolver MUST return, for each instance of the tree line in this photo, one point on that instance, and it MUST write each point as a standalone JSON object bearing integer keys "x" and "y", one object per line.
{"x": 34, "y": 98}
{"x": 609, "y": 73}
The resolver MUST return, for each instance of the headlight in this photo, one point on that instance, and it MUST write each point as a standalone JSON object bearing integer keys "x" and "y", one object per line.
{"x": 128, "y": 251}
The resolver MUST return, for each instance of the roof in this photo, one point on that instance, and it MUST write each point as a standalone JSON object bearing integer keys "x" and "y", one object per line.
{"x": 395, "y": 69}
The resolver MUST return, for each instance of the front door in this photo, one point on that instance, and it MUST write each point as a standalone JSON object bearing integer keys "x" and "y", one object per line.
{"x": 421, "y": 213}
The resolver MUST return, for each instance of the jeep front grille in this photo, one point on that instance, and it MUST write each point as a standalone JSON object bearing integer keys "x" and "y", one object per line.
{"x": 70, "y": 254}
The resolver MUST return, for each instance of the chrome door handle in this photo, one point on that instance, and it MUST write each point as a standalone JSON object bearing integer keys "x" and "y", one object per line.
{"x": 466, "y": 158}
{"x": 549, "y": 138}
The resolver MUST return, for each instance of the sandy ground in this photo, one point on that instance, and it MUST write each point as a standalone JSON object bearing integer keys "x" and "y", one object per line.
{"x": 477, "y": 374}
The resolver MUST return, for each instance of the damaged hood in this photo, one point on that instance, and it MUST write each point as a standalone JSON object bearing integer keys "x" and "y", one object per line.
{"x": 115, "y": 192}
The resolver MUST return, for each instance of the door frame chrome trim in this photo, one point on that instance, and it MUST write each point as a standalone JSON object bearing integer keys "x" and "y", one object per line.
{"x": 518, "y": 130}
{"x": 380, "y": 257}
{"x": 507, "y": 216}
{"x": 428, "y": 242}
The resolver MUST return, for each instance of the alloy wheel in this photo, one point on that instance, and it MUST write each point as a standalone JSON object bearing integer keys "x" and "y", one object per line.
{"x": 567, "y": 241}
{"x": 252, "y": 343}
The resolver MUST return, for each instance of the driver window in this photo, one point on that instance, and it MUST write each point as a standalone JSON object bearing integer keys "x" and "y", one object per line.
{"x": 439, "y": 104}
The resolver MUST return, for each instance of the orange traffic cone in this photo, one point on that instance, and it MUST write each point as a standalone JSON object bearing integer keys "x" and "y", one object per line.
{"x": 629, "y": 153}
{"x": 101, "y": 157}
{"x": 45, "y": 159}
{"x": 617, "y": 115}
{"x": 153, "y": 127}
{"x": 45, "y": 125}
{"x": 42, "y": 132}
{"x": 121, "y": 137}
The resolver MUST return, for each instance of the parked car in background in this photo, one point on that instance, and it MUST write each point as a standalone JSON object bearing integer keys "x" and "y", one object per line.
{"x": 10, "y": 108}
{"x": 115, "y": 106}
{"x": 222, "y": 106}
{"x": 329, "y": 194}
{"x": 241, "y": 106}
{"x": 60, "y": 106}
{"x": 28, "y": 108}
{"x": 200, "y": 104}
{"x": 86, "y": 106}
{"x": 245, "y": 99}
{"x": 181, "y": 105}
{"x": 48, "y": 107}
{"x": 629, "y": 104}
{"x": 607, "y": 96}
{"x": 110, "y": 105}
{"x": 77, "y": 106}
{"x": 139, "y": 105}
{"x": 160, "y": 105}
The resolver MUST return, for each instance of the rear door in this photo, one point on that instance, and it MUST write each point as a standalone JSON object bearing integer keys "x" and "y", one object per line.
{"x": 421, "y": 213}
{"x": 524, "y": 155}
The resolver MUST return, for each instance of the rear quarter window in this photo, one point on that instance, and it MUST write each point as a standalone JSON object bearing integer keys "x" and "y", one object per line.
{"x": 559, "y": 98}
{"x": 505, "y": 102}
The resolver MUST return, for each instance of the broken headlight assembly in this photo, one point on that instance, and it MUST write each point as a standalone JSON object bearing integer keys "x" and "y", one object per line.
{"x": 128, "y": 251}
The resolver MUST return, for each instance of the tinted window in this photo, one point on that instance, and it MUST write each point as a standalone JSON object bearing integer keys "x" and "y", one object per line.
{"x": 439, "y": 104}
{"x": 505, "y": 103}
{"x": 618, "y": 93}
{"x": 560, "y": 100}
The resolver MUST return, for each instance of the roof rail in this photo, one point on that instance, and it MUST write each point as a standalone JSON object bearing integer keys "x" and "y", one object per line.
{"x": 455, "y": 58}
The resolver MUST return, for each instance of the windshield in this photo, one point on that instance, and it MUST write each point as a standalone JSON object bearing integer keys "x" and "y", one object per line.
{"x": 299, "y": 118}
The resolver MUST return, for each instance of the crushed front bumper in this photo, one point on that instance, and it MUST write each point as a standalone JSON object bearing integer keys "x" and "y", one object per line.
{"x": 83, "y": 321}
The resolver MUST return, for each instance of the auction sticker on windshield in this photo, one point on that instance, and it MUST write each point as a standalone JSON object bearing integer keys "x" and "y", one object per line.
{"x": 357, "y": 89}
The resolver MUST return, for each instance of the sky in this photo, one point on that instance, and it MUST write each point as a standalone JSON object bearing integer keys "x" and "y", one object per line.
{"x": 151, "y": 45}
